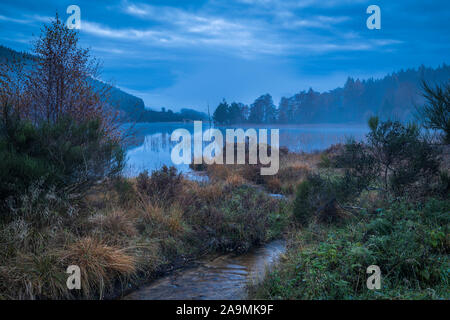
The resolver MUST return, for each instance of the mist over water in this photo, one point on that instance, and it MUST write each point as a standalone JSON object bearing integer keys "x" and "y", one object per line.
{"x": 151, "y": 147}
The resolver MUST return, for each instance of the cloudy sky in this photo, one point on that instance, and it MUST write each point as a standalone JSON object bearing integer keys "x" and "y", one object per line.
{"x": 177, "y": 54}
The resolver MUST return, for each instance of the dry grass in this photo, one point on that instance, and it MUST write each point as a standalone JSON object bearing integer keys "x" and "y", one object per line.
{"x": 174, "y": 220}
{"x": 235, "y": 180}
{"x": 218, "y": 171}
{"x": 115, "y": 223}
{"x": 115, "y": 241}
{"x": 99, "y": 263}
{"x": 294, "y": 168}
{"x": 33, "y": 275}
{"x": 273, "y": 184}
{"x": 210, "y": 195}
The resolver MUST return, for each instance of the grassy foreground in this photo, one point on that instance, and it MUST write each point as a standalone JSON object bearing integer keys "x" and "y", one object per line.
{"x": 129, "y": 231}
{"x": 126, "y": 232}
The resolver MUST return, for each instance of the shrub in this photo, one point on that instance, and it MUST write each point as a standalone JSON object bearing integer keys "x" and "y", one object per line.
{"x": 67, "y": 156}
{"x": 125, "y": 191}
{"x": 444, "y": 184}
{"x": 41, "y": 207}
{"x": 218, "y": 171}
{"x": 245, "y": 220}
{"x": 396, "y": 156}
{"x": 163, "y": 185}
{"x": 325, "y": 161}
{"x": 404, "y": 155}
{"x": 234, "y": 218}
{"x": 115, "y": 223}
{"x": 252, "y": 172}
{"x": 321, "y": 197}
{"x": 235, "y": 180}
{"x": 302, "y": 204}
{"x": 198, "y": 166}
{"x": 357, "y": 159}
{"x": 273, "y": 184}
{"x": 36, "y": 276}
{"x": 284, "y": 151}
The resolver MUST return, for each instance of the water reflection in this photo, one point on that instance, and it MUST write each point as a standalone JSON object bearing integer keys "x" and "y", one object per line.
{"x": 150, "y": 147}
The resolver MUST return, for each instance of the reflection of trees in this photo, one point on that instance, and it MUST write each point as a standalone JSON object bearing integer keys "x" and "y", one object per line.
{"x": 297, "y": 138}
{"x": 145, "y": 130}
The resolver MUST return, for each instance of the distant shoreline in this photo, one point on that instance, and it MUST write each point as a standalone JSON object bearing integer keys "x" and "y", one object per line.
{"x": 281, "y": 125}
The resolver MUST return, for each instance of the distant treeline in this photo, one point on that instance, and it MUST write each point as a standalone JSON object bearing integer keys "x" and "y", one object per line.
{"x": 9, "y": 54}
{"x": 170, "y": 116}
{"x": 394, "y": 96}
{"x": 128, "y": 106}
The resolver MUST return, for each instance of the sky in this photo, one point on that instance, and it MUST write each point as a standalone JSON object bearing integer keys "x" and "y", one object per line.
{"x": 188, "y": 54}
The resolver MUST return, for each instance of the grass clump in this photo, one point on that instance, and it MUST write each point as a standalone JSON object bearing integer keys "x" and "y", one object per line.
{"x": 99, "y": 263}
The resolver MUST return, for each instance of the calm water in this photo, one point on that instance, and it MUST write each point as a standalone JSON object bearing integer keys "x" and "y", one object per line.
{"x": 151, "y": 146}
{"x": 224, "y": 277}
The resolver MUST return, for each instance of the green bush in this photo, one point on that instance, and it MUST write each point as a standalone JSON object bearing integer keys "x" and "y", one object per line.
{"x": 321, "y": 196}
{"x": 405, "y": 157}
{"x": 357, "y": 159}
{"x": 125, "y": 191}
{"x": 325, "y": 161}
{"x": 396, "y": 157}
{"x": 302, "y": 203}
{"x": 444, "y": 184}
{"x": 66, "y": 156}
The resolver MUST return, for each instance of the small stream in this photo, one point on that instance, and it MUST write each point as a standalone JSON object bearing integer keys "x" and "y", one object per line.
{"x": 224, "y": 277}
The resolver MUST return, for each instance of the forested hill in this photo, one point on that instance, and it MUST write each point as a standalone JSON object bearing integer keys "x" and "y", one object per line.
{"x": 394, "y": 96}
{"x": 130, "y": 107}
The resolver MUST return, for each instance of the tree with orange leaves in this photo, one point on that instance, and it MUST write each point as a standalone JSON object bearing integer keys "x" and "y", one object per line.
{"x": 56, "y": 125}
{"x": 62, "y": 81}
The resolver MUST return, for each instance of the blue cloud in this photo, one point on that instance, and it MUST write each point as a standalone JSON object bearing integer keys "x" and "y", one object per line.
{"x": 188, "y": 53}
